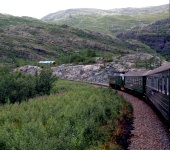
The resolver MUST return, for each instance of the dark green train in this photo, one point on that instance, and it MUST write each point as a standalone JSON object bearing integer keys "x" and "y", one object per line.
{"x": 117, "y": 80}
{"x": 158, "y": 89}
{"x": 153, "y": 84}
{"x": 136, "y": 81}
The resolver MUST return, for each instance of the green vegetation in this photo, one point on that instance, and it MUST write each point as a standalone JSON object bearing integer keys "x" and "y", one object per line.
{"x": 79, "y": 117}
{"x": 132, "y": 21}
{"x": 111, "y": 24}
{"x": 27, "y": 40}
{"x": 156, "y": 36}
{"x": 148, "y": 63}
{"x": 17, "y": 87}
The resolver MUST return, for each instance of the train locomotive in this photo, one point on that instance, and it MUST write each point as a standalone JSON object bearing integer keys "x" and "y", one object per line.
{"x": 153, "y": 84}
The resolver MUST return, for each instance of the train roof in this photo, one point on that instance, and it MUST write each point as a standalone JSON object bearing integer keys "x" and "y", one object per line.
{"x": 136, "y": 73}
{"x": 159, "y": 69}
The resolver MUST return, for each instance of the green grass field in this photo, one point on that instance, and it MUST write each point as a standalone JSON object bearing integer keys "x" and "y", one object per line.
{"x": 77, "y": 116}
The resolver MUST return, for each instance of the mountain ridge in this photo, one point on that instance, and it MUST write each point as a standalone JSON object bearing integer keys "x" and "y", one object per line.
{"x": 29, "y": 39}
{"x": 108, "y": 21}
{"x": 89, "y": 11}
{"x": 25, "y": 39}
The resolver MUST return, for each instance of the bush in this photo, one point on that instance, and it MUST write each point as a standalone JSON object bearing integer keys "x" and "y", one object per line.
{"x": 16, "y": 87}
{"x": 84, "y": 117}
{"x": 44, "y": 82}
{"x": 76, "y": 58}
{"x": 91, "y": 53}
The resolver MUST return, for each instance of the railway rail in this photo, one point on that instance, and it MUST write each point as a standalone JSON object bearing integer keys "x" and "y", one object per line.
{"x": 149, "y": 131}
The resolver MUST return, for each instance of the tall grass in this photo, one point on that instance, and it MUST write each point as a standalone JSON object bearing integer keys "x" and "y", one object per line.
{"x": 78, "y": 117}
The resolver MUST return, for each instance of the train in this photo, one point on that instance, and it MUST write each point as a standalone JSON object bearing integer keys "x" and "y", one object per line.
{"x": 153, "y": 85}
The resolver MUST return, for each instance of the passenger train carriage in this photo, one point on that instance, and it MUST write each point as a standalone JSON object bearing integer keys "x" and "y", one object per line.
{"x": 135, "y": 81}
{"x": 158, "y": 89}
{"x": 154, "y": 84}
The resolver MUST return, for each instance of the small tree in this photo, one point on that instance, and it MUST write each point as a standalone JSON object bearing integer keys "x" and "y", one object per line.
{"x": 22, "y": 87}
{"x": 44, "y": 82}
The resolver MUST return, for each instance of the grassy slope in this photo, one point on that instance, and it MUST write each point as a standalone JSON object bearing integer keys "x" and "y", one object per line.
{"x": 79, "y": 117}
{"x": 111, "y": 24}
{"x": 29, "y": 39}
{"x": 26, "y": 40}
{"x": 119, "y": 24}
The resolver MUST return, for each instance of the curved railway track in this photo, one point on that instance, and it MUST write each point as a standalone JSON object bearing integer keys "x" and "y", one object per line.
{"x": 149, "y": 132}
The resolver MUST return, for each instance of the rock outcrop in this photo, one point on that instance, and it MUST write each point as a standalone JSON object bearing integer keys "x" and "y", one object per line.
{"x": 29, "y": 69}
{"x": 90, "y": 73}
{"x": 98, "y": 73}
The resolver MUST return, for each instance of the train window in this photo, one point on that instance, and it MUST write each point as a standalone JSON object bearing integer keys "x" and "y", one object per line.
{"x": 127, "y": 80}
{"x": 163, "y": 85}
{"x": 167, "y": 84}
{"x": 136, "y": 80}
{"x": 152, "y": 82}
{"x": 155, "y": 83}
{"x": 140, "y": 83}
{"x": 160, "y": 85}
{"x": 148, "y": 82}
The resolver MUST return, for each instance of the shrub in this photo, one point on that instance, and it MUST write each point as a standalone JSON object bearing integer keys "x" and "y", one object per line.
{"x": 16, "y": 87}
{"x": 44, "y": 82}
{"x": 83, "y": 117}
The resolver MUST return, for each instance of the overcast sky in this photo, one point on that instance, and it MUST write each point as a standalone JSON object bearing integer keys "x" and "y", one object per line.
{"x": 40, "y": 8}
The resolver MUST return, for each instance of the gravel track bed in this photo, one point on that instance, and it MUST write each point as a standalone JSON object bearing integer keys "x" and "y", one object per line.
{"x": 149, "y": 132}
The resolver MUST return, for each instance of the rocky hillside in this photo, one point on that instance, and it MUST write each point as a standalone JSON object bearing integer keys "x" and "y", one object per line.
{"x": 89, "y": 73}
{"x": 25, "y": 40}
{"x": 108, "y": 21}
{"x": 155, "y": 35}
{"x": 65, "y": 14}
{"x": 100, "y": 72}
{"x": 28, "y": 39}
{"x": 145, "y": 10}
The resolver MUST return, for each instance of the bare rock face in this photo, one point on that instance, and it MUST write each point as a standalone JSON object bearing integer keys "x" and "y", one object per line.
{"x": 98, "y": 73}
{"x": 90, "y": 73}
{"x": 29, "y": 69}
